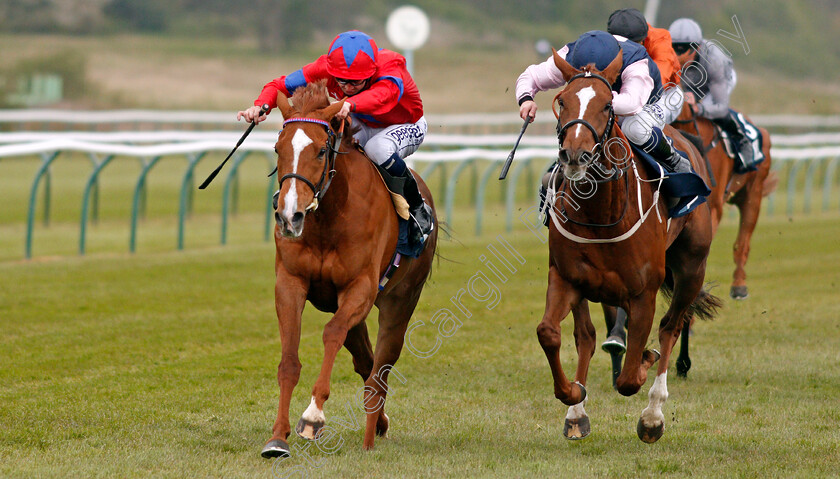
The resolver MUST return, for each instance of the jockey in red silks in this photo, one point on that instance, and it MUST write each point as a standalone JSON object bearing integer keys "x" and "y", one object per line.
{"x": 381, "y": 96}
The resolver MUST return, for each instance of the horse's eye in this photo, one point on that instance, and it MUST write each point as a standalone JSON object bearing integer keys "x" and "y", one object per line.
{"x": 322, "y": 152}
{"x": 275, "y": 150}
{"x": 608, "y": 107}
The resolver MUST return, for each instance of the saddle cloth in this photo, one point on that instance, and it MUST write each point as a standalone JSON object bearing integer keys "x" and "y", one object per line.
{"x": 688, "y": 189}
{"x": 756, "y": 140}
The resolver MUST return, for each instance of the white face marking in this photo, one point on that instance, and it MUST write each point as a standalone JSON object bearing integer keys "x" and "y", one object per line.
{"x": 584, "y": 96}
{"x": 299, "y": 142}
{"x": 313, "y": 414}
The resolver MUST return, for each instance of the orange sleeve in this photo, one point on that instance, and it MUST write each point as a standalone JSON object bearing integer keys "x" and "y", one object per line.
{"x": 658, "y": 46}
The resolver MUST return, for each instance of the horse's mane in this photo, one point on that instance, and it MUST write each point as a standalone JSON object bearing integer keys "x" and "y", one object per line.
{"x": 311, "y": 97}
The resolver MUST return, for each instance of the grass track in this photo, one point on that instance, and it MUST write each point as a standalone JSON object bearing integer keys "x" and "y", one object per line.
{"x": 162, "y": 364}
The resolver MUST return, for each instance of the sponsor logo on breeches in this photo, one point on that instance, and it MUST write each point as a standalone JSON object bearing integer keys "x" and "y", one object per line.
{"x": 409, "y": 135}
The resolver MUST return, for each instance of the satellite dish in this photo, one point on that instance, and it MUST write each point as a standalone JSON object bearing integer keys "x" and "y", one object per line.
{"x": 407, "y": 27}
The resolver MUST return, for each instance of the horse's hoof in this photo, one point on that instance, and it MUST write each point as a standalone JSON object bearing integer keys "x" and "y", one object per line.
{"x": 650, "y": 435}
{"x": 576, "y": 429}
{"x": 308, "y": 429}
{"x": 614, "y": 345}
{"x": 275, "y": 448}
{"x": 683, "y": 365}
{"x": 739, "y": 292}
{"x": 382, "y": 425}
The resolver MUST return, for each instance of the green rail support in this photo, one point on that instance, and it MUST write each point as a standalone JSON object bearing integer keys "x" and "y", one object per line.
{"x": 791, "y": 186}
{"x": 426, "y": 174}
{"x": 139, "y": 191}
{"x": 185, "y": 200}
{"x": 450, "y": 187}
{"x": 510, "y": 196}
{"x": 809, "y": 182}
{"x": 94, "y": 217}
{"x": 91, "y": 188}
{"x": 828, "y": 182}
{"x": 481, "y": 191}
{"x": 230, "y": 187}
{"x": 43, "y": 170}
{"x": 269, "y": 210}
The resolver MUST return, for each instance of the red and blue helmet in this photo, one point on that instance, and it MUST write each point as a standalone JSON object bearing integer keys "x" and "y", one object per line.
{"x": 352, "y": 56}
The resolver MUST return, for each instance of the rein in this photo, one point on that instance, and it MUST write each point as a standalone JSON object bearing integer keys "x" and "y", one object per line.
{"x": 329, "y": 165}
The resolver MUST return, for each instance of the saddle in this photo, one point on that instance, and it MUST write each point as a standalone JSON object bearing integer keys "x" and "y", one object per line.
{"x": 394, "y": 186}
{"x": 753, "y": 134}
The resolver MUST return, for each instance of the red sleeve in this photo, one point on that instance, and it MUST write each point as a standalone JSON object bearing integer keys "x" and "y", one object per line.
{"x": 379, "y": 99}
{"x": 287, "y": 84}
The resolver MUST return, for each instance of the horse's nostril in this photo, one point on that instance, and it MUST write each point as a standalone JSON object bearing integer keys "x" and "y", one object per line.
{"x": 297, "y": 219}
{"x": 278, "y": 218}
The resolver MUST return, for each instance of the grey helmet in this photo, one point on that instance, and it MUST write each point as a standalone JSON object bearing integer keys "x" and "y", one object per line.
{"x": 685, "y": 30}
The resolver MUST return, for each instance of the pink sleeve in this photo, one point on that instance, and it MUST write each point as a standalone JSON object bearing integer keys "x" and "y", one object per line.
{"x": 636, "y": 87}
{"x": 540, "y": 77}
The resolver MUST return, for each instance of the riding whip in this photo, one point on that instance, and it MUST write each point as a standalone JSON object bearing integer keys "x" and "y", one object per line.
{"x": 509, "y": 160}
{"x": 263, "y": 110}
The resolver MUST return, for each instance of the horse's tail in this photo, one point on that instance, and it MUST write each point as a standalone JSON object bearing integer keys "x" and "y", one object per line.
{"x": 770, "y": 183}
{"x": 705, "y": 305}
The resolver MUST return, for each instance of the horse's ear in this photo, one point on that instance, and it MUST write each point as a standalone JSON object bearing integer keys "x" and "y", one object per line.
{"x": 567, "y": 70}
{"x": 613, "y": 69}
{"x": 329, "y": 112}
{"x": 284, "y": 106}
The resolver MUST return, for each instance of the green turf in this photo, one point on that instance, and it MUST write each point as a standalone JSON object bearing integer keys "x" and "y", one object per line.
{"x": 162, "y": 364}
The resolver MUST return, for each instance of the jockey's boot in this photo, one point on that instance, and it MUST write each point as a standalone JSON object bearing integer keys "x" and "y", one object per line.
{"x": 739, "y": 138}
{"x": 421, "y": 219}
{"x": 663, "y": 151}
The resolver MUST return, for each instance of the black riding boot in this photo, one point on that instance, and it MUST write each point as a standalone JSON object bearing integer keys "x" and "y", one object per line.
{"x": 421, "y": 221}
{"x": 662, "y": 150}
{"x": 739, "y": 138}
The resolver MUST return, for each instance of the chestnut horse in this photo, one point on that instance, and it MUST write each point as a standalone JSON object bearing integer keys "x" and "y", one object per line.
{"x": 608, "y": 250}
{"x": 335, "y": 237}
{"x": 744, "y": 190}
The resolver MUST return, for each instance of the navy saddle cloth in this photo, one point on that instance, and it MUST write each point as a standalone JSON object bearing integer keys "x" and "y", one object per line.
{"x": 690, "y": 190}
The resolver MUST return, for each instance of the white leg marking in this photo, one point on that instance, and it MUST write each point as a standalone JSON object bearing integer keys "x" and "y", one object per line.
{"x": 576, "y": 411}
{"x": 313, "y": 414}
{"x": 652, "y": 415}
{"x": 584, "y": 96}
{"x": 299, "y": 142}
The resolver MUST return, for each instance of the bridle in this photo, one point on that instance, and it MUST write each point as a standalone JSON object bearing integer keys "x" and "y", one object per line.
{"x": 600, "y": 144}
{"x": 328, "y": 172}
{"x": 600, "y": 140}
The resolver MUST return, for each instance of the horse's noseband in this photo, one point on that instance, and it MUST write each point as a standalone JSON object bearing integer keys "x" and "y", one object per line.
{"x": 329, "y": 165}
{"x": 600, "y": 140}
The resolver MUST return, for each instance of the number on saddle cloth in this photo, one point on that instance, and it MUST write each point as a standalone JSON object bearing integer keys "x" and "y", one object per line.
{"x": 753, "y": 134}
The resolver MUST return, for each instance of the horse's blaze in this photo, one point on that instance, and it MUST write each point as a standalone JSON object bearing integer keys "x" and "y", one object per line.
{"x": 575, "y": 429}
{"x": 308, "y": 429}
